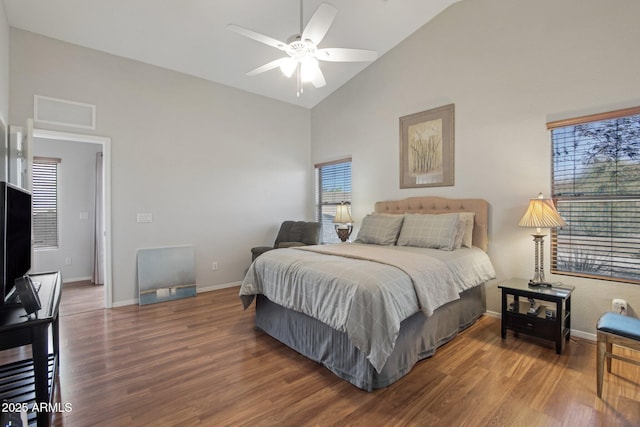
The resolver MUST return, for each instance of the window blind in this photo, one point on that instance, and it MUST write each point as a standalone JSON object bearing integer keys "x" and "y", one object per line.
{"x": 333, "y": 186}
{"x": 45, "y": 202}
{"x": 596, "y": 186}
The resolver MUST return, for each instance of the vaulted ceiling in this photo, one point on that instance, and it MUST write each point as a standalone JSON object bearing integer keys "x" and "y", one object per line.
{"x": 191, "y": 36}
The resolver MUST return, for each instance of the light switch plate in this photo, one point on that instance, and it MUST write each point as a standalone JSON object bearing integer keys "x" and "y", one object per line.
{"x": 144, "y": 217}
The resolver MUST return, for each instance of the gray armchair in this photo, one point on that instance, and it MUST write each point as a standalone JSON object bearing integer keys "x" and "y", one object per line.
{"x": 292, "y": 233}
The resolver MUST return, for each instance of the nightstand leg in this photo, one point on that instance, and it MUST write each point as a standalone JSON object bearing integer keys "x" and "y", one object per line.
{"x": 559, "y": 327}
{"x": 503, "y": 330}
{"x": 567, "y": 308}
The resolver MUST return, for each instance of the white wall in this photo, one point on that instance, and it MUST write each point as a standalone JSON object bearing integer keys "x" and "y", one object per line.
{"x": 76, "y": 195}
{"x": 217, "y": 168}
{"x": 509, "y": 66}
{"x": 4, "y": 65}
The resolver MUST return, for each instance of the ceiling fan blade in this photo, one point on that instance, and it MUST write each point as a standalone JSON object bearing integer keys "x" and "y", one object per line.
{"x": 339, "y": 54}
{"x": 267, "y": 67}
{"x": 258, "y": 37}
{"x": 319, "y": 23}
{"x": 318, "y": 79}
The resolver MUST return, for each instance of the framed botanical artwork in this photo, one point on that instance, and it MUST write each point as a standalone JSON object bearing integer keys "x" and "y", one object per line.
{"x": 426, "y": 148}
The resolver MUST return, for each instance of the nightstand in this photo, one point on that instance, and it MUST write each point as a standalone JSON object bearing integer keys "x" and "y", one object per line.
{"x": 548, "y": 321}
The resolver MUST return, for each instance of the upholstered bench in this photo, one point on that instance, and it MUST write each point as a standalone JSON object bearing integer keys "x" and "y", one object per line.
{"x": 619, "y": 330}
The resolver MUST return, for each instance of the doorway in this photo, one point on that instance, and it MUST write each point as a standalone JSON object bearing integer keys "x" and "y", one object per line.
{"x": 104, "y": 144}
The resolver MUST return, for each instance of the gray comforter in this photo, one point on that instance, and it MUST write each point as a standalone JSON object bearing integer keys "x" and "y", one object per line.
{"x": 365, "y": 290}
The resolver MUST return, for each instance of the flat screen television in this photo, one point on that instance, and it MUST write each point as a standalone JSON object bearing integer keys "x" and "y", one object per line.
{"x": 15, "y": 236}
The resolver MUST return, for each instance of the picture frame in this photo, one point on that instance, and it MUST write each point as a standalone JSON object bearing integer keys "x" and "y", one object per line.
{"x": 427, "y": 148}
{"x": 166, "y": 274}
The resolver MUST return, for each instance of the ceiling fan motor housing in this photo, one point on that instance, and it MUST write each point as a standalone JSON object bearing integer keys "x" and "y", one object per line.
{"x": 300, "y": 49}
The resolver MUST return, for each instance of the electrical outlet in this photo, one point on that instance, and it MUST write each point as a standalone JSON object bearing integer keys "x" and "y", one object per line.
{"x": 214, "y": 265}
{"x": 67, "y": 261}
{"x": 619, "y": 306}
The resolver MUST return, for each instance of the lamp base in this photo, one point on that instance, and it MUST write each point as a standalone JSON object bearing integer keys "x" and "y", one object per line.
{"x": 540, "y": 284}
{"x": 538, "y": 276}
{"x": 344, "y": 233}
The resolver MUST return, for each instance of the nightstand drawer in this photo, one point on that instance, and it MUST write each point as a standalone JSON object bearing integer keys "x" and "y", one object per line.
{"x": 537, "y": 326}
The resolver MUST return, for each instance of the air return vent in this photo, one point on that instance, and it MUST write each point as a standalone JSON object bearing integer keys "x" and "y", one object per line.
{"x": 64, "y": 113}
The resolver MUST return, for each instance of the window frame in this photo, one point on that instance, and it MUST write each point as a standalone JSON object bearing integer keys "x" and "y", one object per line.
{"x": 610, "y": 198}
{"x": 45, "y": 199}
{"x": 329, "y": 236}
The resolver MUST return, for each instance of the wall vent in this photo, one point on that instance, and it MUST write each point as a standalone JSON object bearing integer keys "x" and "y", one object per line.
{"x": 63, "y": 112}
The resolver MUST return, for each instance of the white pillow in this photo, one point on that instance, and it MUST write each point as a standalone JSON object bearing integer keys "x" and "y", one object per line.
{"x": 468, "y": 218}
{"x": 437, "y": 231}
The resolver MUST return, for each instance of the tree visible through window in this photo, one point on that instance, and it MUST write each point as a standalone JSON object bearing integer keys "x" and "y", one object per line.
{"x": 333, "y": 186}
{"x": 596, "y": 185}
{"x": 45, "y": 202}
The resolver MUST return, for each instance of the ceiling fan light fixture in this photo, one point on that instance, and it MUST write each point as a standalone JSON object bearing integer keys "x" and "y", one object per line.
{"x": 302, "y": 49}
{"x": 308, "y": 69}
{"x": 288, "y": 66}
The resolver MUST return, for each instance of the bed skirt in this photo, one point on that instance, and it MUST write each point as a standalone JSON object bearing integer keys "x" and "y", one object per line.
{"x": 418, "y": 339}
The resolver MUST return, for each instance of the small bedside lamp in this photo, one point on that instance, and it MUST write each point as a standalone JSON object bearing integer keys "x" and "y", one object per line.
{"x": 541, "y": 213}
{"x": 343, "y": 222}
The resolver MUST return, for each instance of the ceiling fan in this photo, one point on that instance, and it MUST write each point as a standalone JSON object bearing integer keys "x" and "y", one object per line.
{"x": 302, "y": 49}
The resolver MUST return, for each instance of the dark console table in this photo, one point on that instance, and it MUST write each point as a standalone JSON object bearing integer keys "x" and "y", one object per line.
{"x": 32, "y": 381}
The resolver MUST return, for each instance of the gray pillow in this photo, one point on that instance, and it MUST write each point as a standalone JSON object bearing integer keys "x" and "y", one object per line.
{"x": 437, "y": 231}
{"x": 460, "y": 228}
{"x": 380, "y": 229}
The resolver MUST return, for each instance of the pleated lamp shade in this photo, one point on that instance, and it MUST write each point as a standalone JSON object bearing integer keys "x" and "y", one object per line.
{"x": 541, "y": 213}
{"x": 342, "y": 214}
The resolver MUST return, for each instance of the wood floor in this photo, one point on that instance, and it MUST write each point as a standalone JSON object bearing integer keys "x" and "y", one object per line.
{"x": 81, "y": 296}
{"x": 199, "y": 362}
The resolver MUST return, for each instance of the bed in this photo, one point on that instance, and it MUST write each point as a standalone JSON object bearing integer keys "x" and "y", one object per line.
{"x": 370, "y": 310}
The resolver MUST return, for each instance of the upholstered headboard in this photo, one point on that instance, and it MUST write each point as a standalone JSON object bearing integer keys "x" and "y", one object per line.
{"x": 436, "y": 205}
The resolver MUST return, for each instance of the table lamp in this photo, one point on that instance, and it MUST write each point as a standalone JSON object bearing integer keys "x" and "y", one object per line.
{"x": 343, "y": 222}
{"x": 541, "y": 213}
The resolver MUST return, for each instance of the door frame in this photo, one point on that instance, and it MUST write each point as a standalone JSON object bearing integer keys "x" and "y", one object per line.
{"x": 106, "y": 183}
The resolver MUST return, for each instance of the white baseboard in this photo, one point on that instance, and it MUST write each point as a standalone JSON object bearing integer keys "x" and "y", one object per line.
{"x": 584, "y": 335}
{"x": 217, "y": 287}
{"x": 76, "y": 279}
{"x": 493, "y": 314}
{"x": 125, "y": 303}
{"x": 199, "y": 289}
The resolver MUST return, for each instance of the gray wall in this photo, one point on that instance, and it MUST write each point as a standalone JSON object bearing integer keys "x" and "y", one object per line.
{"x": 76, "y": 195}
{"x": 217, "y": 168}
{"x": 509, "y": 66}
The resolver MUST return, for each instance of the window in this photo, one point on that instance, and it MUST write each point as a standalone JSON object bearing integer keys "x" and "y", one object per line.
{"x": 596, "y": 186}
{"x": 333, "y": 186}
{"x": 45, "y": 202}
